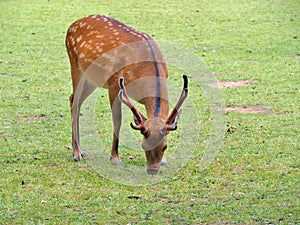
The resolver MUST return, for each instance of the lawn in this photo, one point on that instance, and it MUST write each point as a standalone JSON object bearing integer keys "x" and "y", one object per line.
{"x": 251, "y": 176}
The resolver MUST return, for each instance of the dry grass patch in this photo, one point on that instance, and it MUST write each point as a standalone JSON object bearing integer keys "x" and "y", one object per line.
{"x": 253, "y": 109}
{"x": 231, "y": 84}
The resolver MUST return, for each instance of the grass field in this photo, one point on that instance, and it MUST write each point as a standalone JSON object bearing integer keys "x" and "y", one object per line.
{"x": 254, "y": 178}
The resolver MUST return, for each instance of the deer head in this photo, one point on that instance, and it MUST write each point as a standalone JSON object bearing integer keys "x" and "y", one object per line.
{"x": 154, "y": 130}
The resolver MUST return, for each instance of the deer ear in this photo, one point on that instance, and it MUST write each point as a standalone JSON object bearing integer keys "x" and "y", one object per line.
{"x": 136, "y": 121}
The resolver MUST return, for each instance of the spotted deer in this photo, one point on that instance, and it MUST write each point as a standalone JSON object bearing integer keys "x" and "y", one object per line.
{"x": 106, "y": 53}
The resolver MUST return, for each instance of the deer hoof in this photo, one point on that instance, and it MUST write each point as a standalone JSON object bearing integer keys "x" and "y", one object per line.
{"x": 79, "y": 157}
{"x": 164, "y": 163}
{"x": 115, "y": 161}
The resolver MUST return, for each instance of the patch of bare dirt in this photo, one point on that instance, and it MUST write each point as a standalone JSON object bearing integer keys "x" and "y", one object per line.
{"x": 231, "y": 84}
{"x": 253, "y": 109}
{"x": 36, "y": 117}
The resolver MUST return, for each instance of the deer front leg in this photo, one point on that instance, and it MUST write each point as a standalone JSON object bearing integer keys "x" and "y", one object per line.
{"x": 84, "y": 89}
{"x": 117, "y": 118}
{"x": 77, "y": 152}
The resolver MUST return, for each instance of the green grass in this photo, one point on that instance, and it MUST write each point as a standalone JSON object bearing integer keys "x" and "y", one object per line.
{"x": 254, "y": 179}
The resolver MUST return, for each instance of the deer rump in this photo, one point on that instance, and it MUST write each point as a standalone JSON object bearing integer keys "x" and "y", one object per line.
{"x": 106, "y": 53}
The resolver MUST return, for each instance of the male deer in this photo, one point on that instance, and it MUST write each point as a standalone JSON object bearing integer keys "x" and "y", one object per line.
{"x": 104, "y": 52}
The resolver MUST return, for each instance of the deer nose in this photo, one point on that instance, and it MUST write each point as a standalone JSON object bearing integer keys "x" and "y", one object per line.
{"x": 152, "y": 172}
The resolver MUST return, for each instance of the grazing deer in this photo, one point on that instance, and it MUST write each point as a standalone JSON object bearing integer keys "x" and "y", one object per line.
{"x": 104, "y": 52}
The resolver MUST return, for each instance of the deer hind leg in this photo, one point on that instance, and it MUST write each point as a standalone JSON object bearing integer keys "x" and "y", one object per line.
{"x": 117, "y": 118}
{"x": 77, "y": 152}
{"x": 83, "y": 92}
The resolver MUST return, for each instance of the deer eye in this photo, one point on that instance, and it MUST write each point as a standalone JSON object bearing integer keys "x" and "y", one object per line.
{"x": 165, "y": 147}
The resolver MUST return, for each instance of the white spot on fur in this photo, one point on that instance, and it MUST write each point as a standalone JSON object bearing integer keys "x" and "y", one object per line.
{"x": 129, "y": 73}
{"x": 75, "y": 50}
{"x": 82, "y": 55}
{"x": 72, "y": 29}
{"x": 91, "y": 33}
{"x": 82, "y": 44}
{"x": 79, "y": 38}
{"x": 72, "y": 40}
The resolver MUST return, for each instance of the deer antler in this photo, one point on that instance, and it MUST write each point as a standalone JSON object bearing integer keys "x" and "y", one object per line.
{"x": 172, "y": 120}
{"x": 123, "y": 97}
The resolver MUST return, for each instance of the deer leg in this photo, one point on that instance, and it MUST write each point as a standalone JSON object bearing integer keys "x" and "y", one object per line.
{"x": 117, "y": 118}
{"x": 78, "y": 153}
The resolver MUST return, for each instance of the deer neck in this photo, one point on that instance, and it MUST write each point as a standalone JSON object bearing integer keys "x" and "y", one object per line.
{"x": 157, "y": 107}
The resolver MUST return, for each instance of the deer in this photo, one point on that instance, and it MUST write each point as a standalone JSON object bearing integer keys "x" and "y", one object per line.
{"x": 106, "y": 53}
